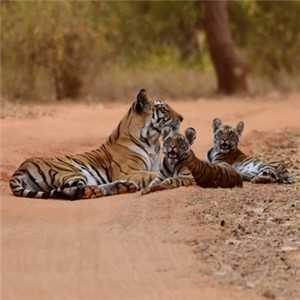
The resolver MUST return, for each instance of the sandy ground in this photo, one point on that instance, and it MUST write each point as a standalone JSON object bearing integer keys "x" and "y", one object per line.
{"x": 188, "y": 243}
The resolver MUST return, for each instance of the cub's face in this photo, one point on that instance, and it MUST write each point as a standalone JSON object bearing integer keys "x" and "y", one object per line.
{"x": 177, "y": 146}
{"x": 226, "y": 138}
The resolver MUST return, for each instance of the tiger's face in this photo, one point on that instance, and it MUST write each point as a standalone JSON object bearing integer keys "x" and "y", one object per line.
{"x": 177, "y": 146}
{"x": 226, "y": 138}
{"x": 164, "y": 115}
{"x": 158, "y": 114}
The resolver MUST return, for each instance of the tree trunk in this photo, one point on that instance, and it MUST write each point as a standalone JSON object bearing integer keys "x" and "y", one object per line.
{"x": 230, "y": 67}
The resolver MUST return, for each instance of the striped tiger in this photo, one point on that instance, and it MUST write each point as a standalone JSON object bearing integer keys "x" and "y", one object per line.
{"x": 180, "y": 166}
{"x": 129, "y": 160}
{"x": 226, "y": 140}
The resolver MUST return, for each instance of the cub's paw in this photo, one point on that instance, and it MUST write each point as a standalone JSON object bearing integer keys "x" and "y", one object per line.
{"x": 263, "y": 179}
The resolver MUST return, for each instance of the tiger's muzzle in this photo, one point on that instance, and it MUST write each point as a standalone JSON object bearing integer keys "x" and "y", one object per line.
{"x": 172, "y": 152}
{"x": 225, "y": 146}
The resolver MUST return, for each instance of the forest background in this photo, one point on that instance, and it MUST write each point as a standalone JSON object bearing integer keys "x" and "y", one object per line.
{"x": 101, "y": 51}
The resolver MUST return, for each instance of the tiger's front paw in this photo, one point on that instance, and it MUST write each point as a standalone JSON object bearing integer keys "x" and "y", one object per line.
{"x": 91, "y": 192}
{"x": 127, "y": 187}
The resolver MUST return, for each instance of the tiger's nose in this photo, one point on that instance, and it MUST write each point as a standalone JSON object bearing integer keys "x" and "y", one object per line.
{"x": 181, "y": 118}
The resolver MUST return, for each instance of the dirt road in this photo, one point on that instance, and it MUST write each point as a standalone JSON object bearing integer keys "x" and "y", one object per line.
{"x": 188, "y": 243}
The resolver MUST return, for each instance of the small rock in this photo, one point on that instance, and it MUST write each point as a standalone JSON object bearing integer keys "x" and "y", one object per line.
{"x": 269, "y": 294}
{"x": 173, "y": 232}
{"x": 259, "y": 210}
{"x": 221, "y": 273}
{"x": 233, "y": 242}
{"x": 288, "y": 248}
{"x": 278, "y": 215}
{"x": 250, "y": 285}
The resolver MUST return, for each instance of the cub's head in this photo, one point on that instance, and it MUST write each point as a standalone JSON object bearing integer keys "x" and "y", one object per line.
{"x": 177, "y": 146}
{"x": 157, "y": 113}
{"x": 226, "y": 138}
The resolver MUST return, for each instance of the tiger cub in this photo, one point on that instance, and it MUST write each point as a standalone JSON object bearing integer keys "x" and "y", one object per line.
{"x": 226, "y": 140}
{"x": 129, "y": 160}
{"x": 180, "y": 166}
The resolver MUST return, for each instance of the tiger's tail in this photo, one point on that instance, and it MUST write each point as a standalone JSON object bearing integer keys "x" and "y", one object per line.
{"x": 19, "y": 190}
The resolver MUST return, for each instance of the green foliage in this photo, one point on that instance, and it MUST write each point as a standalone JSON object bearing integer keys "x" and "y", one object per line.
{"x": 72, "y": 49}
{"x": 58, "y": 48}
{"x": 268, "y": 33}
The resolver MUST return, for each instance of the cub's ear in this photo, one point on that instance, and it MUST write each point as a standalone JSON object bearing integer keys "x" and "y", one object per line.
{"x": 240, "y": 127}
{"x": 190, "y": 134}
{"x": 166, "y": 131}
{"x": 216, "y": 124}
{"x": 142, "y": 101}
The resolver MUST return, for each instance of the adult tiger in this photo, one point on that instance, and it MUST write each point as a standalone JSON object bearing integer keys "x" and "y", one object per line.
{"x": 226, "y": 140}
{"x": 128, "y": 160}
{"x": 180, "y": 166}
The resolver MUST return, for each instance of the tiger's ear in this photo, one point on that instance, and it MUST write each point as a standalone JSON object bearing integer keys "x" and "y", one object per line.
{"x": 240, "y": 127}
{"x": 190, "y": 134}
{"x": 216, "y": 124}
{"x": 142, "y": 101}
{"x": 166, "y": 131}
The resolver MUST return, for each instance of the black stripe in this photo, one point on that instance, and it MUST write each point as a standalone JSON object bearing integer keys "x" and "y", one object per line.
{"x": 31, "y": 194}
{"x": 137, "y": 142}
{"x": 41, "y": 172}
{"x": 166, "y": 168}
{"x": 118, "y": 130}
{"x": 107, "y": 173}
{"x": 144, "y": 140}
{"x": 113, "y": 161}
{"x": 45, "y": 195}
{"x": 209, "y": 154}
{"x": 99, "y": 174}
{"x": 52, "y": 174}
{"x": 33, "y": 179}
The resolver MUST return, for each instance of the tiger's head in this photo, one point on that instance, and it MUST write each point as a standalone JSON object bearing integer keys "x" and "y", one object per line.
{"x": 226, "y": 138}
{"x": 157, "y": 114}
{"x": 177, "y": 146}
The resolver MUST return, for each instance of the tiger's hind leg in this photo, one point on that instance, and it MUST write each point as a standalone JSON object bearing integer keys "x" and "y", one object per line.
{"x": 285, "y": 177}
{"x": 265, "y": 177}
{"x": 113, "y": 188}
